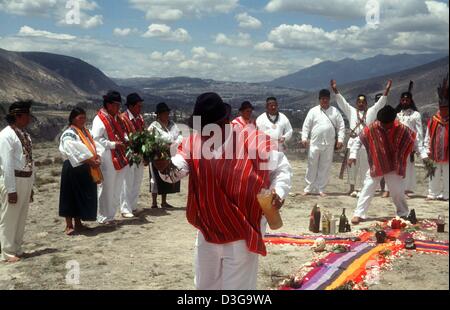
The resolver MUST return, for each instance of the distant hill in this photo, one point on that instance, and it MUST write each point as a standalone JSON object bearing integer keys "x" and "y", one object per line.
{"x": 83, "y": 75}
{"x": 350, "y": 70}
{"x": 21, "y": 78}
{"x": 426, "y": 80}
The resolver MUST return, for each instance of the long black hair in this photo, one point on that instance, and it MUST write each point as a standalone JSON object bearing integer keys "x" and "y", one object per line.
{"x": 74, "y": 113}
{"x": 10, "y": 119}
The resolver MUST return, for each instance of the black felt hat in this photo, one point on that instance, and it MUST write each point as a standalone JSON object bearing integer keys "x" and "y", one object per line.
{"x": 162, "y": 107}
{"x": 133, "y": 99}
{"x": 20, "y": 107}
{"x": 211, "y": 108}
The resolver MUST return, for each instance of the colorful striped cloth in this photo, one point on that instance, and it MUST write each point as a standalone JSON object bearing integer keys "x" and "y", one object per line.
{"x": 338, "y": 269}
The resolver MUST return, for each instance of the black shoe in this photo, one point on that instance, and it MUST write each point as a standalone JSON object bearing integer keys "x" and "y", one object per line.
{"x": 155, "y": 207}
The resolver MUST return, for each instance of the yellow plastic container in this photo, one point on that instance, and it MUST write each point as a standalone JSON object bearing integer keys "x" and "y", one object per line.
{"x": 272, "y": 214}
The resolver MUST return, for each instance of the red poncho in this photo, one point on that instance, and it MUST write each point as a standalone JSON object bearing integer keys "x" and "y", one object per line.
{"x": 438, "y": 131}
{"x": 388, "y": 150}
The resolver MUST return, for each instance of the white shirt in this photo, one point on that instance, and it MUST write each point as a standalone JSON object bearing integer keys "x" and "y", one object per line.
{"x": 322, "y": 129}
{"x": 353, "y": 115}
{"x": 413, "y": 120}
{"x": 73, "y": 149}
{"x": 11, "y": 158}
{"x": 172, "y": 134}
{"x": 100, "y": 135}
{"x": 282, "y": 128}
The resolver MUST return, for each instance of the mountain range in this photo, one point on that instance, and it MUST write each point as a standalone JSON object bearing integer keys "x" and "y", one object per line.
{"x": 351, "y": 70}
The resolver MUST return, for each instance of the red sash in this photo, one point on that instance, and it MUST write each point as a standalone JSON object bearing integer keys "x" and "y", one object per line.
{"x": 137, "y": 124}
{"x": 116, "y": 133}
{"x": 439, "y": 151}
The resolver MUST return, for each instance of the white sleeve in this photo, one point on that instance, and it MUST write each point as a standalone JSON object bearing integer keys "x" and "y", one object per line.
{"x": 99, "y": 132}
{"x": 426, "y": 141}
{"x": 75, "y": 150}
{"x": 344, "y": 106}
{"x": 355, "y": 148}
{"x": 341, "y": 127}
{"x": 179, "y": 136}
{"x": 6, "y": 160}
{"x": 183, "y": 170}
{"x": 379, "y": 104}
{"x": 307, "y": 126}
{"x": 288, "y": 130}
{"x": 419, "y": 129}
{"x": 280, "y": 174}
{"x": 260, "y": 123}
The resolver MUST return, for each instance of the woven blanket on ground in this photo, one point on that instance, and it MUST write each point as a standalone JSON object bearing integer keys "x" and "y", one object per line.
{"x": 338, "y": 269}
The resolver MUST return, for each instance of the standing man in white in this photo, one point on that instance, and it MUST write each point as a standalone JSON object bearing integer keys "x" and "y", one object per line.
{"x": 16, "y": 180}
{"x": 436, "y": 144}
{"x": 409, "y": 116}
{"x": 359, "y": 117}
{"x": 323, "y": 131}
{"x": 110, "y": 132}
{"x": 388, "y": 144}
{"x": 131, "y": 188}
{"x": 275, "y": 124}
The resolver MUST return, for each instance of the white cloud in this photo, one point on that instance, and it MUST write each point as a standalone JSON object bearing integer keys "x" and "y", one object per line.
{"x": 247, "y": 21}
{"x": 165, "y": 32}
{"x": 241, "y": 40}
{"x": 265, "y": 47}
{"x": 341, "y": 8}
{"x": 26, "y": 31}
{"x": 92, "y": 22}
{"x": 201, "y": 53}
{"x": 55, "y": 9}
{"x": 170, "y": 56}
{"x": 123, "y": 32}
{"x": 393, "y": 35}
{"x": 171, "y": 10}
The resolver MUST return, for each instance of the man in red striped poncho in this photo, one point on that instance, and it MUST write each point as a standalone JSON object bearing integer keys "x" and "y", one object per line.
{"x": 227, "y": 169}
{"x": 436, "y": 143}
{"x": 388, "y": 144}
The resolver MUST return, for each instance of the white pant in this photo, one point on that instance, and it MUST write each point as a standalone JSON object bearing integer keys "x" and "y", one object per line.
{"x": 396, "y": 185}
{"x": 410, "y": 177}
{"x": 109, "y": 191}
{"x": 13, "y": 217}
{"x": 131, "y": 189}
{"x": 438, "y": 187}
{"x": 320, "y": 159}
{"x": 357, "y": 172}
{"x": 229, "y": 266}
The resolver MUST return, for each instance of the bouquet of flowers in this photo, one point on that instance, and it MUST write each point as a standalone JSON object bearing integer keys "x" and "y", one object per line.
{"x": 147, "y": 146}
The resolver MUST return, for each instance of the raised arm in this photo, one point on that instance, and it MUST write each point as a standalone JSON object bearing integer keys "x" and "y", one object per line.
{"x": 341, "y": 102}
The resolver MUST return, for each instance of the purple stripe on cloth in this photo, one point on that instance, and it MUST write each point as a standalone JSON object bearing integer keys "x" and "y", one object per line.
{"x": 304, "y": 237}
{"x": 329, "y": 271}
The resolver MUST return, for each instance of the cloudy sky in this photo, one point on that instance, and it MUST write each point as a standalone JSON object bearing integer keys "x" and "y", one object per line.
{"x": 239, "y": 40}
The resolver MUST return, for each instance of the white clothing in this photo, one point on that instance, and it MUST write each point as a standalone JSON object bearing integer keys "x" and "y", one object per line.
{"x": 131, "y": 189}
{"x": 74, "y": 150}
{"x": 438, "y": 187}
{"x": 320, "y": 160}
{"x": 320, "y": 129}
{"x": 353, "y": 115}
{"x": 281, "y": 129}
{"x": 11, "y": 158}
{"x": 396, "y": 185}
{"x": 413, "y": 120}
{"x": 229, "y": 266}
{"x": 173, "y": 136}
{"x": 13, "y": 216}
{"x": 358, "y": 172}
{"x": 109, "y": 191}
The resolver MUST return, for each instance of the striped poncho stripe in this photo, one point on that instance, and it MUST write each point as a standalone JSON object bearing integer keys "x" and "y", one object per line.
{"x": 438, "y": 129}
{"x": 388, "y": 150}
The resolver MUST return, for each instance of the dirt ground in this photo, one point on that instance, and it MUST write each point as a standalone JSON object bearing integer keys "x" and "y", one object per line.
{"x": 156, "y": 250}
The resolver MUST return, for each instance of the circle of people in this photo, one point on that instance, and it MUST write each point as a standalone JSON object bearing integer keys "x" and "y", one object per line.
{"x": 97, "y": 180}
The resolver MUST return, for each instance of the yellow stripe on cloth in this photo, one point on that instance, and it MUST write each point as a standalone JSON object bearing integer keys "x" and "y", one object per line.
{"x": 348, "y": 274}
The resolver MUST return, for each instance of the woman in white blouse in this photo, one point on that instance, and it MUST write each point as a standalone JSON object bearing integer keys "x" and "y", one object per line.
{"x": 80, "y": 174}
{"x": 170, "y": 132}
